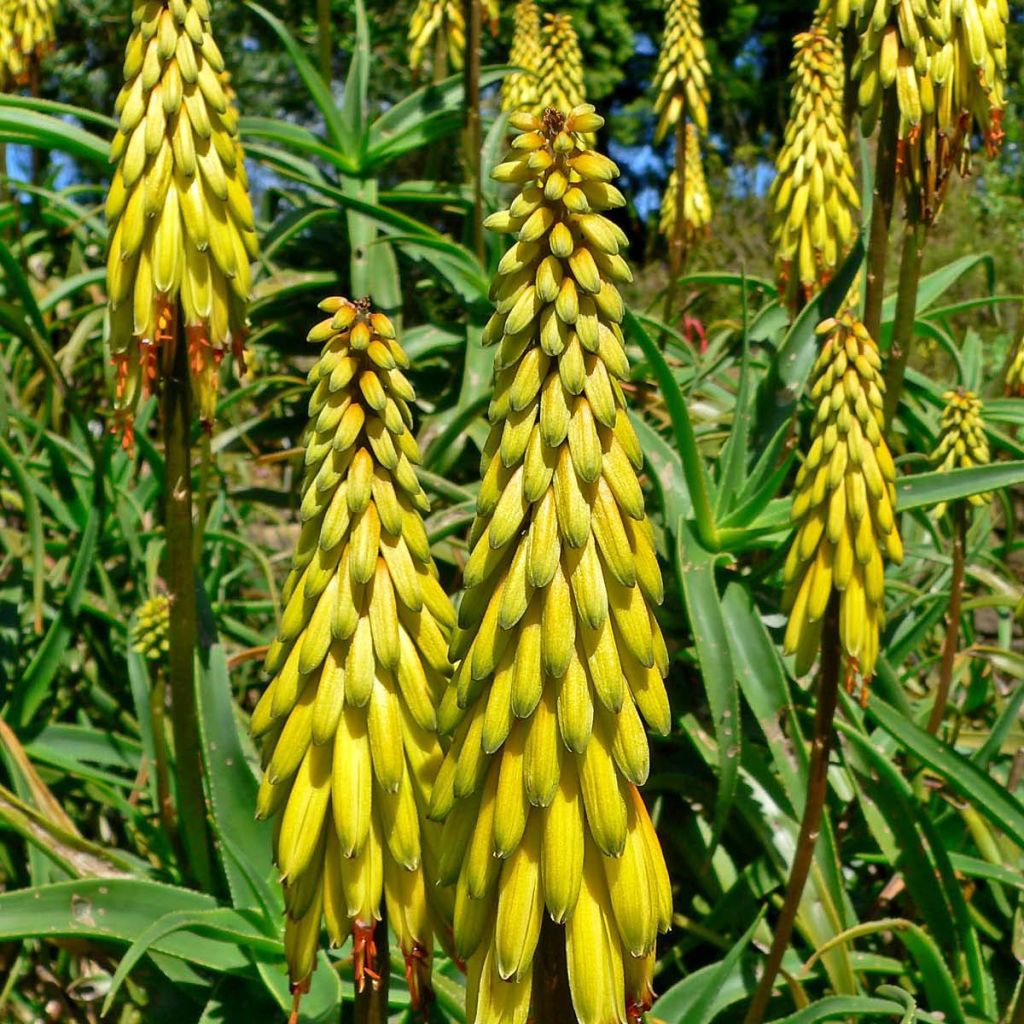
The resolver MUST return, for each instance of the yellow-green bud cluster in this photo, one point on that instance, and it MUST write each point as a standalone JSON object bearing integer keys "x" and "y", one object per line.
{"x": 27, "y": 31}
{"x": 697, "y": 209}
{"x": 681, "y": 79}
{"x": 843, "y": 504}
{"x": 962, "y": 439}
{"x": 560, "y": 658}
{"x": 150, "y": 631}
{"x": 430, "y": 17}
{"x": 350, "y": 743}
{"x": 181, "y": 227}
{"x": 519, "y": 91}
{"x": 560, "y": 73}
{"x": 814, "y": 194}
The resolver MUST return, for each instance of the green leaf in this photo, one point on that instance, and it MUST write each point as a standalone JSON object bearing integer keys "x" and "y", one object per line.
{"x": 116, "y": 910}
{"x": 697, "y": 1001}
{"x": 35, "y": 683}
{"x": 231, "y": 785}
{"x": 319, "y": 92}
{"x": 694, "y": 470}
{"x": 220, "y": 923}
{"x": 991, "y": 800}
{"x": 695, "y": 571}
{"x": 34, "y": 522}
{"x": 22, "y": 125}
{"x": 927, "y": 489}
{"x": 834, "y": 1008}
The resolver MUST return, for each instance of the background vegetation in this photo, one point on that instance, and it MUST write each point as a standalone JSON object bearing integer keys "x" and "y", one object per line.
{"x": 914, "y": 904}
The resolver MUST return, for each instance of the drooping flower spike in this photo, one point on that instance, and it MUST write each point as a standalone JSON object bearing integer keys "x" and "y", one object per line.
{"x": 181, "y": 227}
{"x": 843, "y": 506}
{"x": 560, "y": 658}
{"x": 348, "y": 721}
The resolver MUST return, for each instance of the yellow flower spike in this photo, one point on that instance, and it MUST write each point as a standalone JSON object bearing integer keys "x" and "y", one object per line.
{"x": 519, "y": 90}
{"x": 431, "y": 17}
{"x": 962, "y": 441}
{"x": 560, "y": 653}
{"x": 681, "y": 79}
{"x": 814, "y": 194}
{"x": 348, "y": 720}
{"x": 560, "y": 73}
{"x": 181, "y": 227}
{"x": 1014, "y": 383}
{"x": 27, "y": 31}
{"x": 697, "y": 209}
{"x": 843, "y": 505}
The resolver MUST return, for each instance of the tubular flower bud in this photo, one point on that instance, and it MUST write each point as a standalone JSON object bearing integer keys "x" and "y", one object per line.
{"x": 962, "y": 440}
{"x": 181, "y": 228}
{"x": 26, "y": 32}
{"x": 430, "y": 17}
{"x": 697, "y": 207}
{"x": 1014, "y": 383}
{"x": 972, "y": 69}
{"x": 519, "y": 90}
{"x": 150, "y": 631}
{"x": 348, "y": 721}
{"x": 843, "y": 505}
{"x": 561, "y": 66}
{"x": 560, "y": 658}
{"x": 814, "y": 194}
{"x": 681, "y": 79}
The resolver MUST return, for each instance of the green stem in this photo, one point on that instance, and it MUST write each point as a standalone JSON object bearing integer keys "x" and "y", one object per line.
{"x": 906, "y": 312}
{"x": 474, "y": 137}
{"x": 161, "y": 768}
{"x": 677, "y": 244}
{"x": 371, "y": 1004}
{"x": 810, "y": 826}
{"x": 324, "y": 40}
{"x": 177, "y": 421}
{"x": 552, "y": 998}
{"x": 881, "y": 214}
{"x": 952, "y": 639}
{"x": 203, "y": 498}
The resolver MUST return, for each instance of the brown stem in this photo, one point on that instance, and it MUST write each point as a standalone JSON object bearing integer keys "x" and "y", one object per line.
{"x": 881, "y": 214}
{"x": 177, "y": 423}
{"x": 324, "y": 40}
{"x": 810, "y": 826}
{"x": 906, "y": 311}
{"x": 952, "y": 640}
{"x": 371, "y": 1004}
{"x": 552, "y": 999}
{"x": 677, "y": 243}
{"x": 474, "y": 138}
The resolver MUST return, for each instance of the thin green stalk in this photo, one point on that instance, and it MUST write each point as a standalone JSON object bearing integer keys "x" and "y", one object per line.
{"x": 161, "y": 768}
{"x": 474, "y": 136}
{"x": 177, "y": 422}
{"x": 677, "y": 244}
{"x": 371, "y": 1004}
{"x": 952, "y": 639}
{"x": 884, "y": 197}
{"x": 324, "y": 40}
{"x": 552, "y": 997}
{"x": 203, "y": 498}
{"x": 906, "y": 312}
{"x": 810, "y": 826}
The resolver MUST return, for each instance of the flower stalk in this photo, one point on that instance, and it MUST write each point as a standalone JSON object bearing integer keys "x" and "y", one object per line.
{"x": 184, "y": 628}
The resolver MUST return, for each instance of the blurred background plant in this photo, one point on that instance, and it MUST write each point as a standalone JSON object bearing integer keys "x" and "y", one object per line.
{"x": 913, "y": 903}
